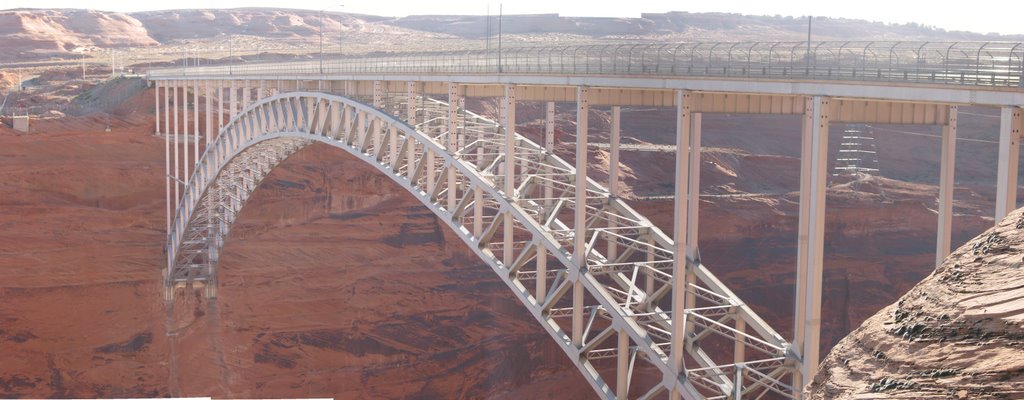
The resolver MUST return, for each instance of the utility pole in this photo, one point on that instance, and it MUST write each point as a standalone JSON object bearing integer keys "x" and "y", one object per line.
{"x": 500, "y": 12}
{"x": 487, "y": 37}
{"x": 321, "y": 41}
{"x": 809, "y": 18}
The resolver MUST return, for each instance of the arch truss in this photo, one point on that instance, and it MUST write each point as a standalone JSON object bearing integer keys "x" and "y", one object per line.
{"x": 597, "y": 275}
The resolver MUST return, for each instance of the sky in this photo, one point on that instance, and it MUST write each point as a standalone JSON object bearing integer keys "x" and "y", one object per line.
{"x": 998, "y": 16}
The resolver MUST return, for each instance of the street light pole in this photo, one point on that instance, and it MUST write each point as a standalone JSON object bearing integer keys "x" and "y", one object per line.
{"x": 322, "y": 41}
{"x": 500, "y": 12}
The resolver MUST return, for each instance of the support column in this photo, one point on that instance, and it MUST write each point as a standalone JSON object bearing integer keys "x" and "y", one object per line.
{"x": 262, "y": 93}
{"x": 622, "y": 366}
{"x": 613, "y": 177}
{"x": 453, "y": 135}
{"x": 177, "y": 196}
{"x": 580, "y": 215}
{"x": 508, "y": 104}
{"x": 478, "y": 212}
{"x": 156, "y": 97}
{"x": 693, "y": 202}
{"x": 167, "y": 108}
{"x": 167, "y": 155}
{"x": 613, "y": 159}
{"x": 810, "y": 243}
{"x": 410, "y": 103}
{"x": 1010, "y": 121}
{"x": 209, "y": 113}
{"x": 233, "y": 94}
{"x": 946, "y": 184}
{"x": 549, "y": 144}
{"x": 246, "y": 94}
{"x": 680, "y": 268}
{"x": 378, "y": 95}
{"x": 195, "y": 126}
{"x": 184, "y": 107}
{"x": 220, "y": 105}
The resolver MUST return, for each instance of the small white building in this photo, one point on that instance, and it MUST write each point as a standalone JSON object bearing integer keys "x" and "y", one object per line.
{"x": 20, "y": 123}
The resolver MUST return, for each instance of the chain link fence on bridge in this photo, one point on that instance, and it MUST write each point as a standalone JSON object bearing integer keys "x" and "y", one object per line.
{"x": 959, "y": 63}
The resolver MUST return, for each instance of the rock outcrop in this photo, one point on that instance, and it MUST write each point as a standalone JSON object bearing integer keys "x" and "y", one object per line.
{"x": 957, "y": 334}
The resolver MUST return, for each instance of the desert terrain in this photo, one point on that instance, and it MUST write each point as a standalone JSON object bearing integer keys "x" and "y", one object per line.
{"x": 335, "y": 282}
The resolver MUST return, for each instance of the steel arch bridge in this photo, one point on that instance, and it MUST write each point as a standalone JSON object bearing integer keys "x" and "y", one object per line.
{"x": 603, "y": 296}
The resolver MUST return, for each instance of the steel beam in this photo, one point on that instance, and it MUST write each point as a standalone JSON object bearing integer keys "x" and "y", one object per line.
{"x": 946, "y": 186}
{"x": 1010, "y": 121}
{"x": 184, "y": 106}
{"x": 622, "y": 366}
{"x": 410, "y": 103}
{"x": 220, "y": 105}
{"x": 811, "y": 245}
{"x": 246, "y": 95}
{"x": 233, "y": 94}
{"x": 195, "y": 125}
{"x": 693, "y": 202}
{"x": 508, "y": 103}
{"x": 580, "y": 214}
{"x": 167, "y": 154}
{"x": 453, "y": 140}
{"x": 549, "y": 145}
{"x": 177, "y": 184}
{"x": 208, "y": 91}
{"x": 156, "y": 98}
{"x": 680, "y": 268}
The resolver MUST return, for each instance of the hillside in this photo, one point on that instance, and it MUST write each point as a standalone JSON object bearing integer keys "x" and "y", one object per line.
{"x": 957, "y": 334}
{"x": 32, "y": 34}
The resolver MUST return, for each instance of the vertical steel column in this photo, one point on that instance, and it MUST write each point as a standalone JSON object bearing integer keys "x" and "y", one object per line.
{"x": 509, "y": 125}
{"x": 946, "y": 185}
{"x": 693, "y": 203}
{"x": 167, "y": 156}
{"x": 549, "y": 145}
{"x": 209, "y": 112}
{"x": 233, "y": 94}
{"x": 177, "y": 168}
{"x": 1010, "y": 121}
{"x": 195, "y": 125}
{"x": 613, "y": 160}
{"x": 184, "y": 106}
{"x": 453, "y": 134}
{"x": 156, "y": 97}
{"x": 580, "y": 215}
{"x": 680, "y": 268}
{"x": 378, "y": 94}
{"x": 393, "y": 153}
{"x": 167, "y": 108}
{"x": 410, "y": 103}
{"x": 739, "y": 350}
{"x": 220, "y": 106}
{"x": 622, "y": 366}
{"x": 613, "y": 177}
{"x": 262, "y": 93}
{"x": 811, "y": 244}
{"x": 246, "y": 94}
{"x": 478, "y": 213}
{"x": 542, "y": 273}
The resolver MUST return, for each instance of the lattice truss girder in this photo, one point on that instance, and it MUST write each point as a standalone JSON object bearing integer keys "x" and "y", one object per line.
{"x": 610, "y": 314}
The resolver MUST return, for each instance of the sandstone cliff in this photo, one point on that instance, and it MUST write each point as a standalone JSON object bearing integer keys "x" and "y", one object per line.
{"x": 957, "y": 334}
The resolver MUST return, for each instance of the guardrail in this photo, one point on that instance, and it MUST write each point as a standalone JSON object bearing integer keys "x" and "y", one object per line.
{"x": 958, "y": 63}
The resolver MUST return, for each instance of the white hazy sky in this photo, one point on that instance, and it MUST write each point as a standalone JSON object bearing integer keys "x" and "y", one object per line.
{"x": 999, "y": 16}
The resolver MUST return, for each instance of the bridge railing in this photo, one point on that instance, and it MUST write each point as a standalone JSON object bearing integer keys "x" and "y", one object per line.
{"x": 998, "y": 64}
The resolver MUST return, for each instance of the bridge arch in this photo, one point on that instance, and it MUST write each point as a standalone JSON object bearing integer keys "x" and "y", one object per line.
{"x": 457, "y": 168}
